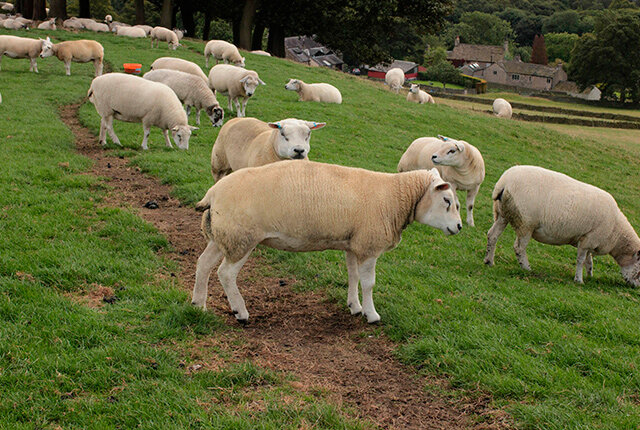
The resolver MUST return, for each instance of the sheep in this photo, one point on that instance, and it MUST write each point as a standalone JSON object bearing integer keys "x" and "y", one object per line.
{"x": 134, "y": 99}
{"x": 556, "y": 209}
{"x": 308, "y": 206}
{"x": 114, "y": 24}
{"x": 191, "y": 91}
{"x": 48, "y": 25}
{"x": 502, "y": 108}
{"x": 147, "y": 28}
{"x": 416, "y": 95}
{"x": 73, "y": 22}
{"x": 458, "y": 162}
{"x": 8, "y": 7}
{"x": 179, "y": 33}
{"x": 234, "y": 82}
{"x": 78, "y": 51}
{"x": 108, "y": 19}
{"x": 326, "y": 93}
{"x": 129, "y": 31}
{"x": 222, "y": 50}
{"x": 249, "y": 142}
{"x": 96, "y": 26}
{"x": 22, "y": 47}
{"x": 14, "y": 24}
{"x": 260, "y": 52}
{"x": 179, "y": 64}
{"x": 164, "y": 34}
{"x": 395, "y": 79}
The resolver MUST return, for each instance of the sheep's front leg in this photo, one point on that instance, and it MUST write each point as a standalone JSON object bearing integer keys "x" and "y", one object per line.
{"x": 187, "y": 109}
{"x": 145, "y": 138}
{"x": 206, "y": 61}
{"x": 589, "y": 264}
{"x": 353, "y": 301}
{"x": 34, "y": 65}
{"x": 206, "y": 262}
{"x": 520, "y": 248}
{"x": 244, "y": 106}
{"x": 492, "y": 239}
{"x": 227, "y": 273}
{"x": 582, "y": 256}
{"x": 165, "y": 133}
{"x": 240, "y": 114}
{"x": 230, "y": 105}
{"x": 471, "y": 198}
{"x": 367, "y": 272}
{"x": 67, "y": 67}
{"x": 112, "y": 132}
{"x": 198, "y": 117}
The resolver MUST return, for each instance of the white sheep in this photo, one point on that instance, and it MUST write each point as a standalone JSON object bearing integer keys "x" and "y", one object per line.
{"x": 7, "y": 7}
{"x": 133, "y": 99}
{"x": 22, "y": 47}
{"x": 73, "y": 23}
{"x": 179, "y": 33}
{"x": 129, "y": 31}
{"x": 179, "y": 64}
{"x": 192, "y": 91}
{"x": 249, "y": 142}
{"x": 234, "y": 82}
{"x": 556, "y": 209}
{"x": 502, "y": 108}
{"x": 78, "y": 51}
{"x": 261, "y": 52}
{"x": 416, "y": 95}
{"x": 326, "y": 93}
{"x": 108, "y": 19}
{"x": 165, "y": 35}
{"x": 96, "y": 26}
{"x": 222, "y": 50}
{"x": 307, "y": 206}
{"x": 48, "y": 25}
{"x": 458, "y": 162}
{"x": 14, "y": 24}
{"x": 113, "y": 24}
{"x": 395, "y": 79}
{"x": 147, "y": 28}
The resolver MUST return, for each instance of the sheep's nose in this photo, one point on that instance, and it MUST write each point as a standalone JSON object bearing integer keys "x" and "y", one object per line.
{"x": 298, "y": 151}
{"x": 434, "y": 156}
{"x": 459, "y": 226}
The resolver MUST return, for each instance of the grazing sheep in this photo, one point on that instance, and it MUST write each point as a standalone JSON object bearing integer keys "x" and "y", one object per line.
{"x": 249, "y": 142}
{"x": 48, "y": 25}
{"x": 395, "y": 79}
{"x": 165, "y": 35}
{"x": 147, "y": 28}
{"x": 192, "y": 91}
{"x": 133, "y": 99}
{"x": 556, "y": 209}
{"x": 502, "y": 108}
{"x": 326, "y": 93}
{"x": 22, "y": 47}
{"x": 179, "y": 33}
{"x": 78, "y": 51}
{"x": 416, "y": 95}
{"x": 222, "y": 50}
{"x": 260, "y": 52}
{"x": 307, "y": 206}
{"x": 129, "y": 31}
{"x": 234, "y": 82}
{"x": 181, "y": 65}
{"x": 458, "y": 162}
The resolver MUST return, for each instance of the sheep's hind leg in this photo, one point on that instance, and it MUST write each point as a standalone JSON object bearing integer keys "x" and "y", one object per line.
{"x": 97, "y": 66}
{"x": 353, "y": 301}
{"x": 67, "y": 67}
{"x": 145, "y": 137}
{"x": 589, "y": 264}
{"x": 471, "y": 198}
{"x": 492, "y": 239}
{"x": 206, "y": 262}
{"x": 227, "y": 273}
{"x": 33, "y": 65}
{"x": 582, "y": 256}
{"x": 367, "y": 272}
{"x": 102, "y": 139}
{"x": 112, "y": 133}
{"x": 520, "y": 248}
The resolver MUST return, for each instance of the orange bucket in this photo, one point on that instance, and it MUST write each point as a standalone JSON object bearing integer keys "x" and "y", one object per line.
{"x": 133, "y": 68}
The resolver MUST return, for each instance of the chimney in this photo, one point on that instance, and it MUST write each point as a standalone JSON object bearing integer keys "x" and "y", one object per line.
{"x": 517, "y": 58}
{"x": 506, "y": 47}
{"x": 457, "y": 42}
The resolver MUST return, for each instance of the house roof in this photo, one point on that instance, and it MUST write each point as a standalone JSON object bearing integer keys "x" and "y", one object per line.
{"x": 482, "y": 53}
{"x": 566, "y": 87}
{"x": 406, "y": 66}
{"x": 301, "y": 42}
{"x": 328, "y": 60}
{"x": 304, "y": 49}
{"x": 528, "y": 69}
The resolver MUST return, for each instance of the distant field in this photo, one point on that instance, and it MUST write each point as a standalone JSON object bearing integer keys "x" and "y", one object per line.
{"x": 437, "y": 84}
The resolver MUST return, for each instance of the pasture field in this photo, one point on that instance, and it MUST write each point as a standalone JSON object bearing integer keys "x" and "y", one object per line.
{"x": 553, "y": 354}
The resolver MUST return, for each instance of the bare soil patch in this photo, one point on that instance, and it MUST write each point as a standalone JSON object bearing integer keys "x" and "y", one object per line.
{"x": 295, "y": 332}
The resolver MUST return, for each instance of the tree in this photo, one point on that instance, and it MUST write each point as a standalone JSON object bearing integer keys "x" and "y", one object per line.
{"x": 566, "y": 22}
{"x": 539, "y": 51}
{"x": 166, "y": 17}
{"x": 58, "y": 9}
{"x": 84, "y": 9}
{"x": 481, "y": 28}
{"x": 444, "y": 72}
{"x": 560, "y": 45}
{"x": 140, "y": 12}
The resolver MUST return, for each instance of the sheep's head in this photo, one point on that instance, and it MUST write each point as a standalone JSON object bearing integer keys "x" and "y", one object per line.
{"x": 450, "y": 153}
{"x": 47, "y": 48}
{"x": 293, "y": 85}
{"x": 173, "y": 45}
{"x": 437, "y": 207}
{"x": 415, "y": 89}
{"x": 181, "y": 135}
{"x": 292, "y": 140}
{"x": 631, "y": 269}
{"x": 250, "y": 83}
{"x": 239, "y": 63}
{"x": 216, "y": 115}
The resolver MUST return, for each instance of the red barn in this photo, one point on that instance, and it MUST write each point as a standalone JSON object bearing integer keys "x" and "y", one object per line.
{"x": 409, "y": 68}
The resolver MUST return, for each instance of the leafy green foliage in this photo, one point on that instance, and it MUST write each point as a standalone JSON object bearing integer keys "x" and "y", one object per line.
{"x": 568, "y": 21}
{"x": 560, "y": 45}
{"x": 481, "y": 28}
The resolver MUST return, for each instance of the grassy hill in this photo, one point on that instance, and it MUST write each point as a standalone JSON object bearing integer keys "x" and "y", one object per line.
{"x": 552, "y": 353}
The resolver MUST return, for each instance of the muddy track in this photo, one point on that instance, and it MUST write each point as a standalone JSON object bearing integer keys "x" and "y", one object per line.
{"x": 300, "y": 333}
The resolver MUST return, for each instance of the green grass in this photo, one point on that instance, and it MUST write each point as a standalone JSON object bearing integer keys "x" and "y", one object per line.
{"x": 554, "y": 354}
{"x": 437, "y": 84}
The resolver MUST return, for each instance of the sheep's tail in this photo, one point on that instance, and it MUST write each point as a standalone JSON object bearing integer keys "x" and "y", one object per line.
{"x": 206, "y": 202}
{"x": 496, "y": 196}
{"x": 90, "y": 94}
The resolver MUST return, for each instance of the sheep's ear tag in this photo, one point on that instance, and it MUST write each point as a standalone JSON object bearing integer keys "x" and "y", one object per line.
{"x": 275, "y": 125}
{"x": 443, "y": 138}
{"x": 316, "y": 125}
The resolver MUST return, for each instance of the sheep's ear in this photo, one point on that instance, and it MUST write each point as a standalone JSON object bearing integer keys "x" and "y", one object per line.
{"x": 275, "y": 125}
{"x": 314, "y": 125}
{"x": 443, "y": 186}
{"x": 459, "y": 146}
{"x": 176, "y": 128}
{"x": 48, "y": 40}
{"x": 443, "y": 138}
{"x": 243, "y": 80}
{"x": 435, "y": 173}
{"x": 193, "y": 128}
{"x": 261, "y": 82}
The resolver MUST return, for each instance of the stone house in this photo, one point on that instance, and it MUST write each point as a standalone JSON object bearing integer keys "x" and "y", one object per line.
{"x": 519, "y": 74}
{"x": 482, "y": 55}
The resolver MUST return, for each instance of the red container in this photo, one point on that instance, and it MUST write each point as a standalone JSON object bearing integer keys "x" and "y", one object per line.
{"x": 133, "y": 68}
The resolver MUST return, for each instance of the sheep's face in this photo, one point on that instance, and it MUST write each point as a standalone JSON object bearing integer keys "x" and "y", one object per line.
{"x": 47, "y": 48}
{"x": 216, "y": 115}
{"x": 239, "y": 63}
{"x": 437, "y": 207}
{"x": 293, "y": 85}
{"x": 449, "y": 154}
{"x": 292, "y": 140}
{"x": 181, "y": 135}
{"x": 631, "y": 271}
{"x": 250, "y": 83}
{"x": 173, "y": 45}
{"x": 414, "y": 89}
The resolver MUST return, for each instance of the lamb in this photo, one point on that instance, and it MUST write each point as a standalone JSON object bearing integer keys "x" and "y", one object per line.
{"x": 308, "y": 206}
{"x": 134, "y": 99}
{"x": 326, "y": 93}
{"x": 165, "y": 35}
{"x": 79, "y": 51}
{"x": 147, "y": 28}
{"x": 556, "y": 209}
{"x": 502, "y": 108}
{"x": 458, "y": 162}
{"x": 192, "y": 91}
{"x": 416, "y": 95}
{"x": 222, "y": 50}
{"x": 48, "y": 25}
{"x": 395, "y": 79}
{"x": 22, "y": 47}
{"x": 260, "y": 52}
{"x": 234, "y": 82}
{"x": 249, "y": 142}
{"x": 179, "y": 64}
{"x": 129, "y": 31}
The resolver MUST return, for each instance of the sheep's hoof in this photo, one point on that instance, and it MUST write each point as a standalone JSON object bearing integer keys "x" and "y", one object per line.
{"x": 372, "y": 318}
{"x": 488, "y": 262}
{"x": 355, "y": 310}
{"x": 243, "y": 322}
{"x": 579, "y": 281}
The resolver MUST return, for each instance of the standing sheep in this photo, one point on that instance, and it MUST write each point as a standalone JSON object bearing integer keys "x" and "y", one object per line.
{"x": 222, "y": 50}
{"x": 165, "y": 35}
{"x": 326, "y": 93}
{"x": 192, "y": 91}
{"x": 249, "y": 142}
{"x": 502, "y": 108}
{"x": 179, "y": 64}
{"x": 133, "y": 99}
{"x": 458, "y": 162}
{"x": 234, "y": 82}
{"x": 416, "y": 95}
{"x": 556, "y": 209}
{"x": 308, "y": 206}
{"x": 78, "y": 51}
{"x": 22, "y": 47}
{"x": 395, "y": 79}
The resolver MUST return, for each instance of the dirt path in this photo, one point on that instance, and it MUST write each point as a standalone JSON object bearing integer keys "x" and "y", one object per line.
{"x": 300, "y": 333}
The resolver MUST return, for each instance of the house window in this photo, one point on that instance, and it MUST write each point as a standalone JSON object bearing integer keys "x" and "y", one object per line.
{"x": 515, "y": 77}
{"x": 548, "y": 80}
{"x": 495, "y": 72}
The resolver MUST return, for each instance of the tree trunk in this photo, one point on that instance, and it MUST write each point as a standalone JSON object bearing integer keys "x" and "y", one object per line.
{"x": 139, "y": 12}
{"x": 167, "y": 14}
{"x": 186, "y": 7}
{"x": 235, "y": 28}
{"x": 258, "y": 34}
{"x": 275, "y": 43}
{"x": 26, "y": 8}
{"x": 206, "y": 28}
{"x": 246, "y": 23}
{"x": 58, "y": 9}
{"x": 39, "y": 10}
{"x": 84, "y": 9}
